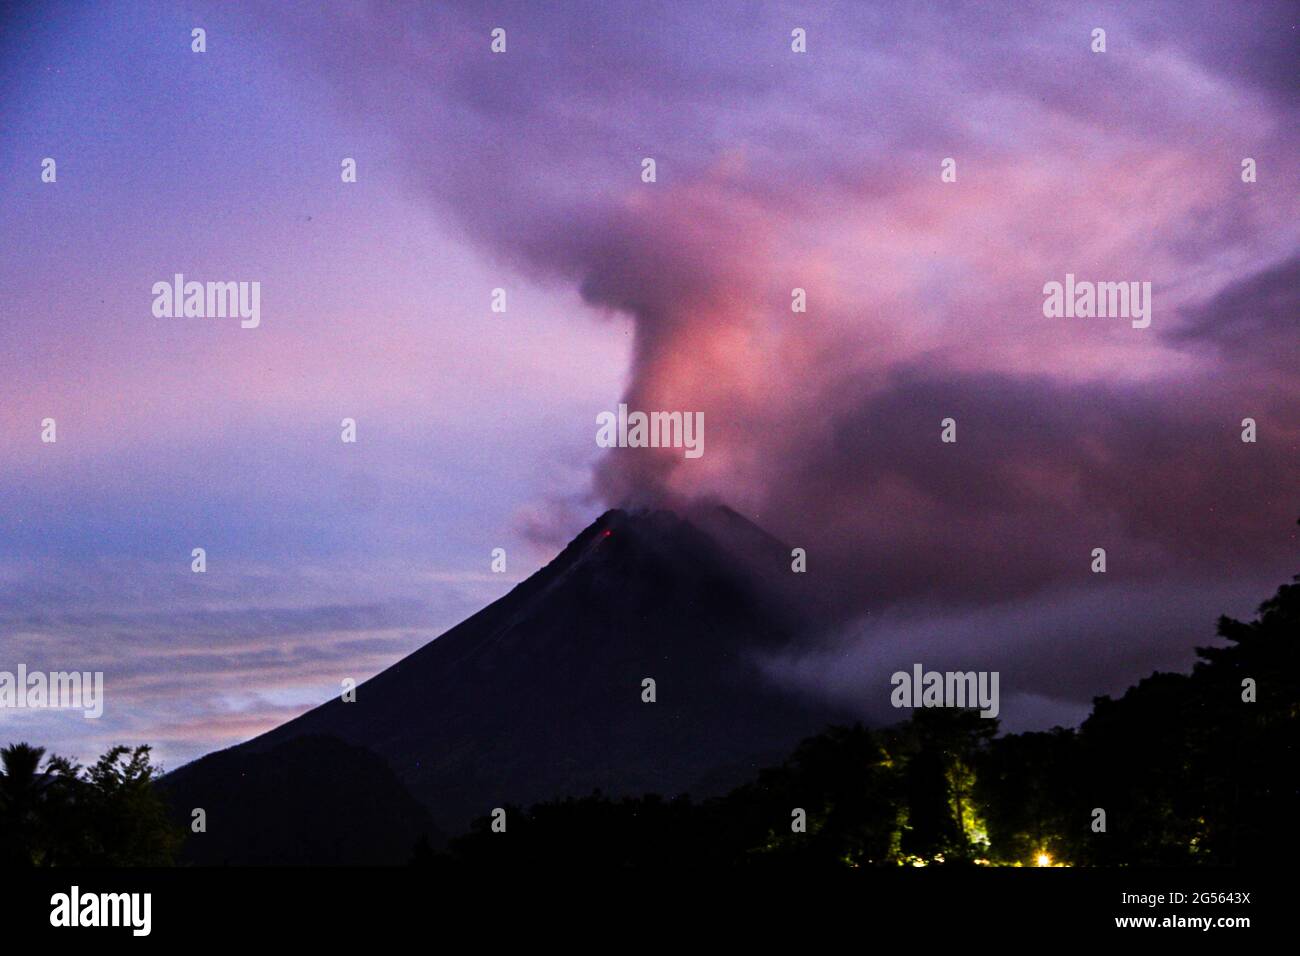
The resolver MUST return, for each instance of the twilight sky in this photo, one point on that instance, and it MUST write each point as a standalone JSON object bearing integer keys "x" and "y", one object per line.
{"x": 521, "y": 171}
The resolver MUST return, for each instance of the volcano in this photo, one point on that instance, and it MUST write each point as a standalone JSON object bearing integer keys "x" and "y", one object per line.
{"x": 542, "y": 694}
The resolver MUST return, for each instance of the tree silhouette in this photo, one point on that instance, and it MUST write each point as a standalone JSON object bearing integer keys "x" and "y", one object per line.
{"x": 60, "y": 814}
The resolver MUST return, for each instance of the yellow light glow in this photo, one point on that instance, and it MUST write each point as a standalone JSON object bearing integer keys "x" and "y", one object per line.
{"x": 1043, "y": 860}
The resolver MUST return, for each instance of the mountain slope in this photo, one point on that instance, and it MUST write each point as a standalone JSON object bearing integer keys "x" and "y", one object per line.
{"x": 311, "y": 800}
{"x": 539, "y": 695}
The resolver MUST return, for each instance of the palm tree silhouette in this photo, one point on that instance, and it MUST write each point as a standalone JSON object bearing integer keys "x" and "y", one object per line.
{"x": 20, "y": 792}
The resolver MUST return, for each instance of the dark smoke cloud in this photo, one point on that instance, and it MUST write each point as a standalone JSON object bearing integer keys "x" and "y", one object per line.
{"x": 822, "y": 172}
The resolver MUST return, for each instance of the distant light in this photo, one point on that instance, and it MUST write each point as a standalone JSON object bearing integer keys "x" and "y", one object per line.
{"x": 1043, "y": 860}
{"x": 608, "y": 532}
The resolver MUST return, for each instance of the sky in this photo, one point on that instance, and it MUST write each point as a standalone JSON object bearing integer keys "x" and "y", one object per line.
{"x": 522, "y": 170}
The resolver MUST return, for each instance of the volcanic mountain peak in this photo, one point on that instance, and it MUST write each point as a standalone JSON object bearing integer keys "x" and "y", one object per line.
{"x": 541, "y": 694}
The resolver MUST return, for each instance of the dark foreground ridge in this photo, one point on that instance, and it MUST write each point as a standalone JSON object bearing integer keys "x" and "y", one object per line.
{"x": 537, "y": 696}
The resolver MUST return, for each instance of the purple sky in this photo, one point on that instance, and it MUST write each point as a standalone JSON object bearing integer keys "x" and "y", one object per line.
{"x": 476, "y": 430}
